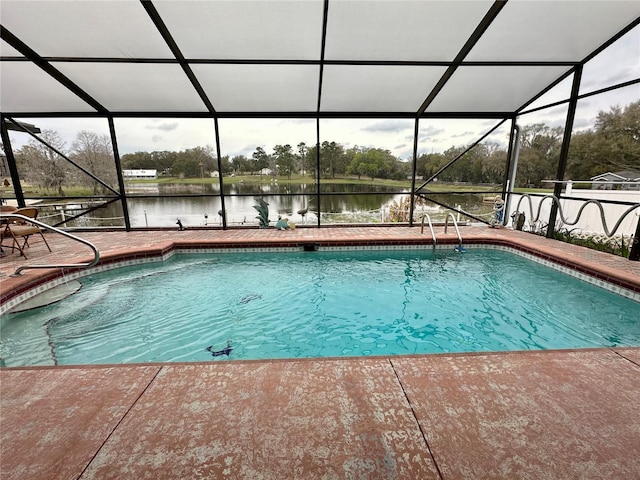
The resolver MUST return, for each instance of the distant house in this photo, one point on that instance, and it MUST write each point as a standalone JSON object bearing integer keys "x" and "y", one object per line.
{"x": 139, "y": 173}
{"x": 624, "y": 180}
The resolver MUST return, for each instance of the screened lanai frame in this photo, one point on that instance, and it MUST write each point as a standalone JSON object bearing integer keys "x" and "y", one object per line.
{"x": 308, "y": 52}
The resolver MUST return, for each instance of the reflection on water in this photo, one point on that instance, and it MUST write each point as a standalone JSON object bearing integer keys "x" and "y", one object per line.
{"x": 344, "y": 203}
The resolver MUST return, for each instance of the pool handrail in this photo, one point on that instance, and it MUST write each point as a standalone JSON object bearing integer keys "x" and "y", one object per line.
{"x": 433, "y": 234}
{"x": 19, "y": 270}
{"x": 455, "y": 224}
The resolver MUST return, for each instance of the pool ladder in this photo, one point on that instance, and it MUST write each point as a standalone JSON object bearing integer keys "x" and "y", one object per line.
{"x": 433, "y": 234}
{"x": 455, "y": 225}
{"x": 96, "y": 254}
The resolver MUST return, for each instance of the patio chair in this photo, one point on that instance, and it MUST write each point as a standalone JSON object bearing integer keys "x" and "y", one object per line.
{"x": 20, "y": 230}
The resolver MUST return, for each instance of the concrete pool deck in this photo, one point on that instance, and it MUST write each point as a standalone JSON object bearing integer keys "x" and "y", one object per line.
{"x": 546, "y": 414}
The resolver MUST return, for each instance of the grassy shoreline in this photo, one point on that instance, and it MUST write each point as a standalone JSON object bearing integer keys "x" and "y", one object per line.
{"x": 81, "y": 191}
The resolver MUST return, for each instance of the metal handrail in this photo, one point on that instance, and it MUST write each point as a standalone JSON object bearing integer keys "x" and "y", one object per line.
{"x": 455, "y": 224}
{"x": 556, "y": 200}
{"x": 433, "y": 234}
{"x": 19, "y": 270}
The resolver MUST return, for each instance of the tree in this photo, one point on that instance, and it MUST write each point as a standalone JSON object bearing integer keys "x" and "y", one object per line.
{"x": 330, "y": 153}
{"x": 284, "y": 157}
{"x": 163, "y": 160}
{"x": 137, "y": 161}
{"x": 619, "y": 132}
{"x": 613, "y": 145}
{"x": 94, "y": 153}
{"x": 42, "y": 166}
{"x": 225, "y": 165}
{"x": 240, "y": 164}
{"x": 539, "y": 154}
{"x": 260, "y": 159}
{"x": 311, "y": 161}
{"x": 429, "y": 163}
{"x": 302, "y": 156}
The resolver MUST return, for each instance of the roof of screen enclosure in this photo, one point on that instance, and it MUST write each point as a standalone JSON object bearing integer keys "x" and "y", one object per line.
{"x": 300, "y": 58}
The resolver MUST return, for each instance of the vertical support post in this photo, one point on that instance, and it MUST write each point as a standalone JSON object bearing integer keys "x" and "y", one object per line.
{"x": 416, "y": 130}
{"x": 634, "y": 253}
{"x": 512, "y": 172}
{"x": 318, "y": 167}
{"x": 564, "y": 151}
{"x": 218, "y": 153}
{"x": 11, "y": 161}
{"x": 119, "y": 174}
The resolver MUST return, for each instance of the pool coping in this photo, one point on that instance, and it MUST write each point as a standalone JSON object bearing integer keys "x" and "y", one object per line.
{"x": 222, "y": 361}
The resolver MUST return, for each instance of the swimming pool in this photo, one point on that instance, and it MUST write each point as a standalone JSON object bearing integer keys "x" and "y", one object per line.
{"x": 317, "y": 304}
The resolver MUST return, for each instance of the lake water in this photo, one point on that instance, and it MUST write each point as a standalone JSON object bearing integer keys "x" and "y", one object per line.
{"x": 161, "y": 205}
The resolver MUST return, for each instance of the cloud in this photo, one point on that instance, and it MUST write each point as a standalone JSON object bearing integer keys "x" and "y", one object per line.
{"x": 246, "y": 151}
{"x": 388, "y": 126}
{"x": 463, "y": 134}
{"x": 157, "y": 138}
{"x": 582, "y": 123}
{"x": 430, "y": 130}
{"x": 167, "y": 127}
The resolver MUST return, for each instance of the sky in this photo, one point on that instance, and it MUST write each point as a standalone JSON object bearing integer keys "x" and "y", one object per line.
{"x": 619, "y": 63}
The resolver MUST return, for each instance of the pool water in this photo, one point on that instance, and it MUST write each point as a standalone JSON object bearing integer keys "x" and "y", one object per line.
{"x": 235, "y": 306}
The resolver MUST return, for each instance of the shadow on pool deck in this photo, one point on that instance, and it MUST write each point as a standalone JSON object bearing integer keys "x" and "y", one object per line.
{"x": 548, "y": 414}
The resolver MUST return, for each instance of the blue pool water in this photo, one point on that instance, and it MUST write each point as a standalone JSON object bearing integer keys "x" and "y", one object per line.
{"x": 318, "y": 304}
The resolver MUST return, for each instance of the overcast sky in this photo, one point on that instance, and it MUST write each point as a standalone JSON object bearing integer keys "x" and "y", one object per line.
{"x": 619, "y": 63}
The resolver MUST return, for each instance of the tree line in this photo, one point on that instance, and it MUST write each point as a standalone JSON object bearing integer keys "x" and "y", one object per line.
{"x": 613, "y": 144}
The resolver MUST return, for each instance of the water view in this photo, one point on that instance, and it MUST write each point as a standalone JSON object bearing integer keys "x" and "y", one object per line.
{"x": 199, "y": 204}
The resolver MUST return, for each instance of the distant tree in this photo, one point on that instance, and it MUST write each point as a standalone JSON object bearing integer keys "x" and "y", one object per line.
{"x": 494, "y": 164}
{"x": 539, "y": 154}
{"x": 311, "y": 161}
{"x": 260, "y": 159}
{"x": 226, "y": 165}
{"x": 187, "y": 167}
{"x": 164, "y": 160}
{"x": 612, "y": 145}
{"x": 330, "y": 155}
{"x": 285, "y": 159}
{"x": 584, "y": 161}
{"x": 429, "y": 163}
{"x": 43, "y": 167}
{"x": 94, "y": 153}
{"x": 302, "y": 156}
{"x": 240, "y": 164}
{"x": 137, "y": 161}
{"x": 619, "y": 133}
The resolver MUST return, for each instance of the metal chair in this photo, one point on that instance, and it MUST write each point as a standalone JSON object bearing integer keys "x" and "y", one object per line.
{"x": 20, "y": 230}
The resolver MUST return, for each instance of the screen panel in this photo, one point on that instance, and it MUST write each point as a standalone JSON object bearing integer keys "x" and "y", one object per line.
{"x": 620, "y": 62}
{"x": 135, "y": 86}
{"x": 84, "y": 29}
{"x": 492, "y": 89}
{"x": 380, "y": 88}
{"x": 260, "y": 88}
{"x": 245, "y": 30}
{"x": 7, "y": 50}
{"x": 552, "y": 30}
{"x": 400, "y": 30}
{"x": 27, "y": 88}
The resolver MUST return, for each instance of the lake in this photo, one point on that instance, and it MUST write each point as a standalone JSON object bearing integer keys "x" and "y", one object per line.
{"x": 161, "y": 205}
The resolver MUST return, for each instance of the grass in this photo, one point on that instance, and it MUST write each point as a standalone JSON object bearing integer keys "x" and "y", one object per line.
{"x": 617, "y": 245}
{"x": 433, "y": 187}
{"x": 300, "y": 180}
